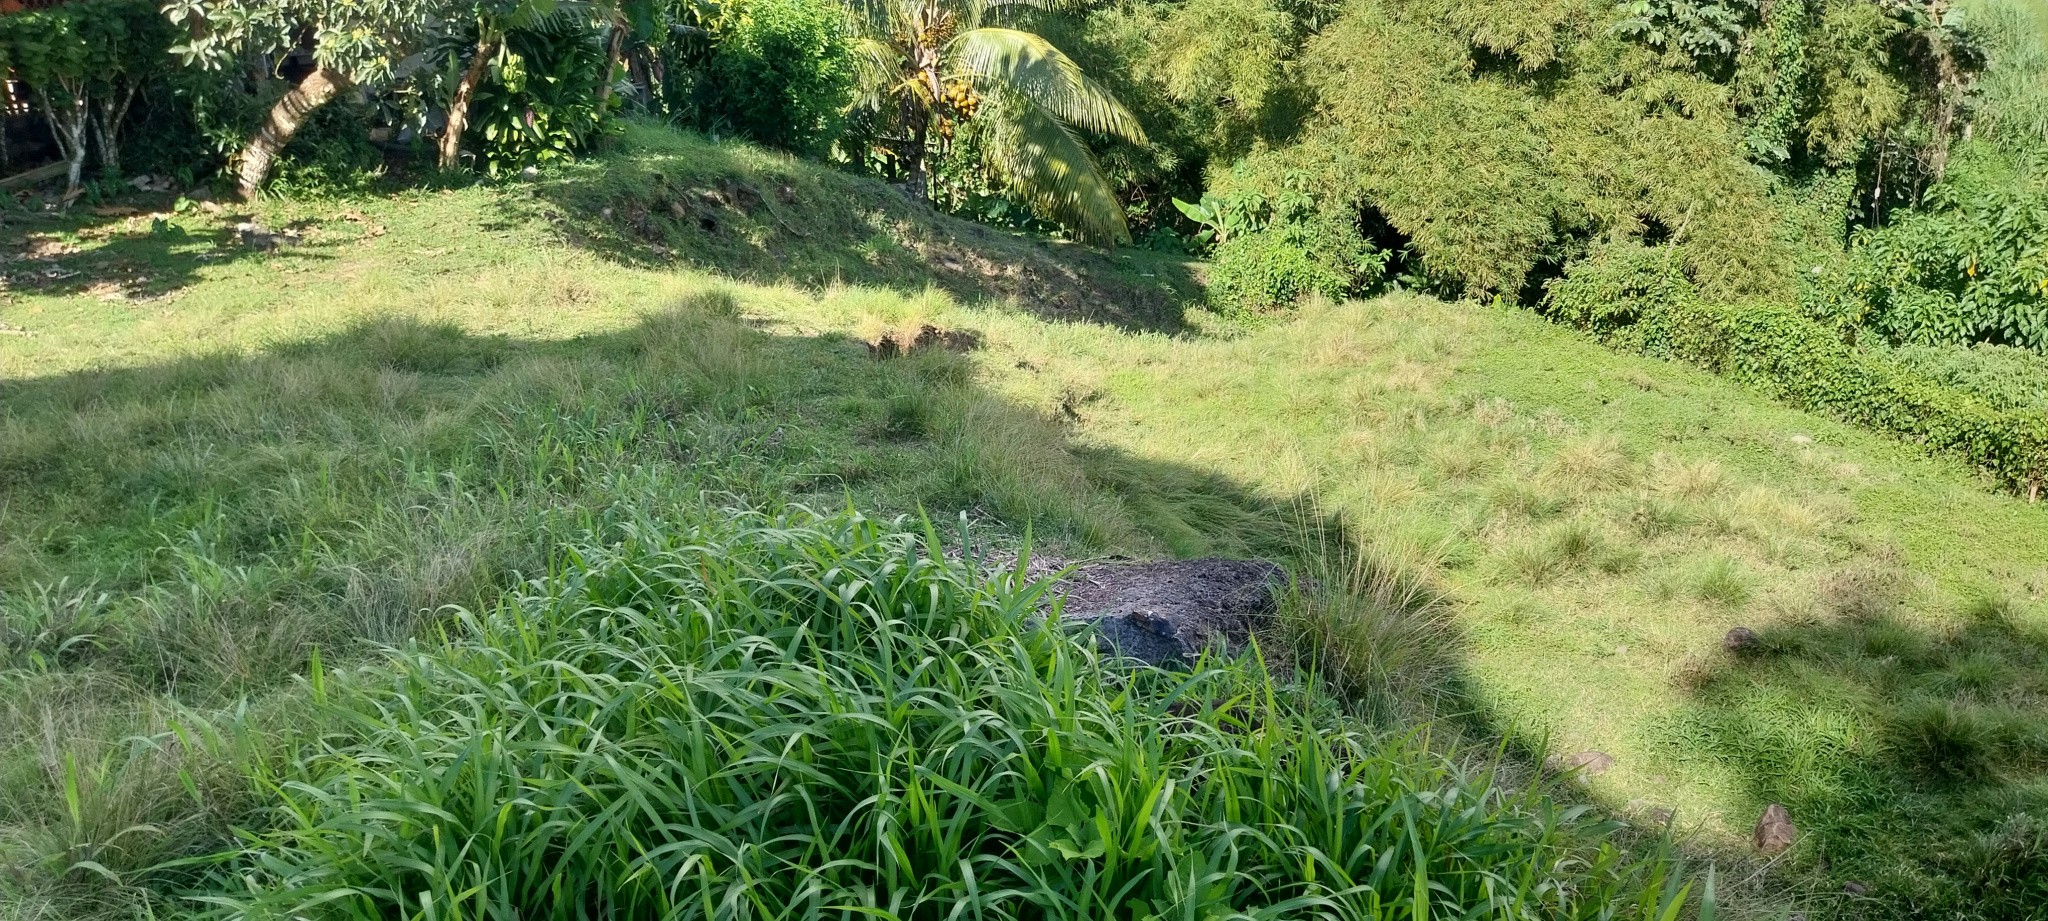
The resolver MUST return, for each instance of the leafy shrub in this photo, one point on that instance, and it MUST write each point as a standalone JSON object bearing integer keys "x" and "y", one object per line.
{"x": 1970, "y": 267}
{"x": 331, "y": 155}
{"x": 1704, "y": 29}
{"x": 1278, "y": 266}
{"x": 2008, "y": 378}
{"x": 540, "y": 105}
{"x": 1635, "y": 298}
{"x": 797, "y": 716}
{"x": 1804, "y": 362}
{"x": 1616, "y": 286}
{"x": 780, "y": 72}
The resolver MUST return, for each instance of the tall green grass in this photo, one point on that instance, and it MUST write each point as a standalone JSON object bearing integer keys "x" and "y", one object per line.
{"x": 804, "y": 716}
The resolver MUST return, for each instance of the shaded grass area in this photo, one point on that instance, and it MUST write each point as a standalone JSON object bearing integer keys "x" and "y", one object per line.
{"x": 203, "y": 531}
{"x": 188, "y": 535}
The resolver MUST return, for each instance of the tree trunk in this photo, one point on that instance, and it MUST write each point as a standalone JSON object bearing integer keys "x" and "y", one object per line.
{"x": 917, "y": 118}
{"x": 1948, "y": 93}
{"x": 458, "y": 108}
{"x": 260, "y": 154}
{"x": 614, "y": 53}
{"x": 108, "y": 128}
{"x": 916, "y": 124}
{"x": 69, "y": 128}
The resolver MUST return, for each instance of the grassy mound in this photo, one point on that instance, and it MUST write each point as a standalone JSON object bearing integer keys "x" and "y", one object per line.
{"x": 216, "y": 461}
{"x": 748, "y": 213}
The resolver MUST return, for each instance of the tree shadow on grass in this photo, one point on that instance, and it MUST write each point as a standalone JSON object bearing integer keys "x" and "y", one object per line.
{"x": 138, "y": 255}
{"x": 1913, "y": 758}
{"x": 669, "y": 197}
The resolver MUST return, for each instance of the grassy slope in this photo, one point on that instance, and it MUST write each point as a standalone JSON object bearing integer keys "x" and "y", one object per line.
{"x": 1599, "y": 520}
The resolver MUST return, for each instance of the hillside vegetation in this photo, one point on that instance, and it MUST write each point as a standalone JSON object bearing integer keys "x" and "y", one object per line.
{"x": 233, "y": 476}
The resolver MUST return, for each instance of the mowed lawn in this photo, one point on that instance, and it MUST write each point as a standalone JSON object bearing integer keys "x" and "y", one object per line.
{"x": 211, "y": 465}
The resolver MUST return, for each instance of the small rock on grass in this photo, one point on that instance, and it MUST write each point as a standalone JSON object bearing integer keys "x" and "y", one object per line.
{"x": 1774, "y": 831}
{"x": 1168, "y": 613}
{"x": 1741, "y": 640}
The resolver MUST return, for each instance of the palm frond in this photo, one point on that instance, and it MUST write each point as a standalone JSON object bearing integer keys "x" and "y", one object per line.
{"x": 981, "y": 8}
{"x": 1031, "y": 67}
{"x": 1043, "y": 162}
{"x": 547, "y": 15}
{"x": 878, "y": 71}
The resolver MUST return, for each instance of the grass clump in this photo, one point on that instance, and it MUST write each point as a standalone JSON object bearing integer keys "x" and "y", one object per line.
{"x": 804, "y": 716}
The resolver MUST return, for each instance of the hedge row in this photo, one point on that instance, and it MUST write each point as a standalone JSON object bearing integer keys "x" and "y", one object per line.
{"x": 1806, "y": 363}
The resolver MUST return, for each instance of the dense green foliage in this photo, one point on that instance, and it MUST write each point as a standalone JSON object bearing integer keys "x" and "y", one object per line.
{"x": 85, "y": 63}
{"x": 1970, "y": 266}
{"x": 1279, "y": 265}
{"x": 1640, "y": 299}
{"x": 2009, "y": 377}
{"x": 780, "y": 72}
{"x": 539, "y": 107}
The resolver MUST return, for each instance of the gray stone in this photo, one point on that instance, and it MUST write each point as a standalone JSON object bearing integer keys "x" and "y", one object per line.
{"x": 1168, "y": 613}
{"x": 1774, "y": 830}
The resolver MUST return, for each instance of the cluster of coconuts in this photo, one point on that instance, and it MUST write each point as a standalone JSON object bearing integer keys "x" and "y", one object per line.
{"x": 957, "y": 104}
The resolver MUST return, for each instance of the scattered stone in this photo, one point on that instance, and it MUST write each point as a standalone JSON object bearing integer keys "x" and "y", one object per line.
{"x": 1774, "y": 830}
{"x": 1741, "y": 640}
{"x": 1169, "y": 613}
{"x": 1855, "y": 888}
{"x": 254, "y": 235}
{"x": 1584, "y": 764}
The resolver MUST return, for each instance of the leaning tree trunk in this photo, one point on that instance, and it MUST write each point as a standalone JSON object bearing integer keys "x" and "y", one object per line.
{"x": 316, "y": 90}
{"x": 458, "y": 107}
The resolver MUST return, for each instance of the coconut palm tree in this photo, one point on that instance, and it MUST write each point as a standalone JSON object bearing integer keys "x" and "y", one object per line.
{"x": 928, "y": 65}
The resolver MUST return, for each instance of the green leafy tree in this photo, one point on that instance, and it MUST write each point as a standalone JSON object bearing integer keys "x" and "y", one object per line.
{"x": 928, "y": 65}
{"x": 129, "y": 44}
{"x": 355, "y": 42}
{"x": 779, "y": 71}
{"x": 46, "y": 51}
{"x": 491, "y": 21}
